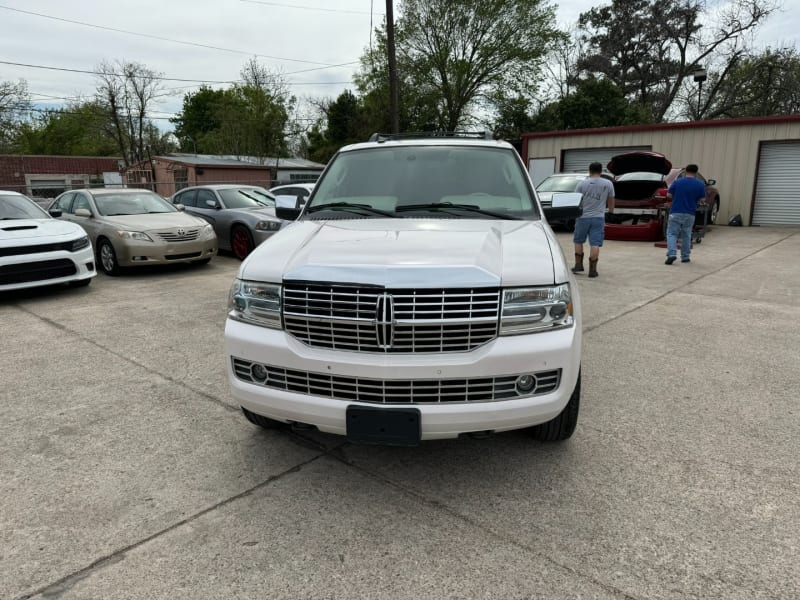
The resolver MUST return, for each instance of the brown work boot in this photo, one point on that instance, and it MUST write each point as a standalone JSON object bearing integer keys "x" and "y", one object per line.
{"x": 578, "y": 268}
{"x": 593, "y": 267}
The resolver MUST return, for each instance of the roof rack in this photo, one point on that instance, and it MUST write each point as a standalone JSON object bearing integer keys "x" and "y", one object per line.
{"x": 385, "y": 137}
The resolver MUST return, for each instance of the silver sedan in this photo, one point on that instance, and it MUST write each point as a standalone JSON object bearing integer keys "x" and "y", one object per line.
{"x": 243, "y": 216}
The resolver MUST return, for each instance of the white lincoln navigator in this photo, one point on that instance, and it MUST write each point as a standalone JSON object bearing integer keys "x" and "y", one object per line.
{"x": 420, "y": 294}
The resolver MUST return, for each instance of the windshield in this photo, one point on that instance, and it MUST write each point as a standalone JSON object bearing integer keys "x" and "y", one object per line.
{"x": 564, "y": 183}
{"x": 19, "y": 207}
{"x": 640, "y": 176}
{"x": 139, "y": 203}
{"x": 389, "y": 179}
{"x": 247, "y": 198}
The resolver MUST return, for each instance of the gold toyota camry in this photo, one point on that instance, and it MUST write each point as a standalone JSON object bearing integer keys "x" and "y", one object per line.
{"x": 132, "y": 227}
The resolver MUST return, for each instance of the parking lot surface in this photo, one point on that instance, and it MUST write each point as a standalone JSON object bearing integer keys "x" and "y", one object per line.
{"x": 126, "y": 471}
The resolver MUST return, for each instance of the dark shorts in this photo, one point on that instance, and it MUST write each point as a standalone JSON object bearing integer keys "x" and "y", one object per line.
{"x": 593, "y": 227}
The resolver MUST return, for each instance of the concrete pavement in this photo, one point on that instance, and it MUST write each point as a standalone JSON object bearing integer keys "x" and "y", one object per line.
{"x": 126, "y": 471}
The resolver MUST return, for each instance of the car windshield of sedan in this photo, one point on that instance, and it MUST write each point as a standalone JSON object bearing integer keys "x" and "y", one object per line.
{"x": 246, "y": 198}
{"x": 425, "y": 181}
{"x": 640, "y": 176}
{"x": 556, "y": 183}
{"x": 19, "y": 207}
{"x": 141, "y": 203}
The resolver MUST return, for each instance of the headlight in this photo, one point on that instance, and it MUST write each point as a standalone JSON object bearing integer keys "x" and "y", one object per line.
{"x": 134, "y": 235}
{"x": 255, "y": 303}
{"x": 268, "y": 226}
{"x": 79, "y": 244}
{"x": 207, "y": 232}
{"x": 529, "y": 310}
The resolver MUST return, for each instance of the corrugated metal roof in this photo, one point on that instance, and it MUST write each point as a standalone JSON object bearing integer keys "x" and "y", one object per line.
{"x": 212, "y": 160}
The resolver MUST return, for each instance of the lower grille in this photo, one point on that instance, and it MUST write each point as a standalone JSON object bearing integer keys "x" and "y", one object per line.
{"x": 36, "y": 271}
{"x": 394, "y": 391}
{"x": 183, "y": 256}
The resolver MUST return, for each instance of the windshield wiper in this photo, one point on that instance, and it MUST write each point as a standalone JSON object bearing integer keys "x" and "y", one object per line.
{"x": 351, "y": 207}
{"x": 464, "y": 207}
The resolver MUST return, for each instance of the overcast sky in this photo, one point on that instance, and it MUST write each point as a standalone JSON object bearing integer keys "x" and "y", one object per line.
{"x": 302, "y": 39}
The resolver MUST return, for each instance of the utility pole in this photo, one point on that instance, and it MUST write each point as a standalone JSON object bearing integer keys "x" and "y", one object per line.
{"x": 394, "y": 107}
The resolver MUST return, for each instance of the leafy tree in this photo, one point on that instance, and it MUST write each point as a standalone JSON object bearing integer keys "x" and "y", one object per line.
{"x": 14, "y": 106}
{"x": 80, "y": 129}
{"x": 595, "y": 103}
{"x": 248, "y": 119}
{"x": 649, "y": 48}
{"x": 454, "y": 55}
{"x": 198, "y": 117}
{"x": 345, "y": 119}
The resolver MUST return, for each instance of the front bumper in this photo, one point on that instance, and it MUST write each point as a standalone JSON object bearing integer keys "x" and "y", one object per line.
{"x": 46, "y": 268}
{"x": 259, "y": 237}
{"x": 558, "y": 349}
{"x": 132, "y": 253}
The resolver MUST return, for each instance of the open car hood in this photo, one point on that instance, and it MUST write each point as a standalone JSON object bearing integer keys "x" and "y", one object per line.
{"x": 651, "y": 162}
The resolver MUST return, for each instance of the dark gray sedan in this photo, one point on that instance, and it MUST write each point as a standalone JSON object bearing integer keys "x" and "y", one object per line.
{"x": 243, "y": 216}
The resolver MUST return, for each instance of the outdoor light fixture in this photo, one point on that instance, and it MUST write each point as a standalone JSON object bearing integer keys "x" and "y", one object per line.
{"x": 700, "y": 76}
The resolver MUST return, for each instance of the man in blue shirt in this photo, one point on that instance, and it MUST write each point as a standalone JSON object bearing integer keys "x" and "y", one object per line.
{"x": 684, "y": 192}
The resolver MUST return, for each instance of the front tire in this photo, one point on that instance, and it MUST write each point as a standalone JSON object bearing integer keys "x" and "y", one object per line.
{"x": 563, "y": 426}
{"x": 712, "y": 218}
{"x": 264, "y": 422}
{"x": 107, "y": 258}
{"x": 241, "y": 242}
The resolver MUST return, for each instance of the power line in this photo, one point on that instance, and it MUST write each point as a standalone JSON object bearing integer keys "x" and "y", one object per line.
{"x": 316, "y": 8}
{"x": 164, "y": 39}
{"x": 159, "y": 77}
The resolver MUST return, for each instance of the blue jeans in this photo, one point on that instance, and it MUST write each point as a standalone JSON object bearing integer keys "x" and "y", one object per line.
{"x": 680, "y": 225}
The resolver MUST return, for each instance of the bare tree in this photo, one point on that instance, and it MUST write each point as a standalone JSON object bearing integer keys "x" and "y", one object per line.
{"x": 129, "y": 91}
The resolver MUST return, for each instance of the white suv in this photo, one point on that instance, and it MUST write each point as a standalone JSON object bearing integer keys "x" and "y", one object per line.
{"x": 419, "y": 295}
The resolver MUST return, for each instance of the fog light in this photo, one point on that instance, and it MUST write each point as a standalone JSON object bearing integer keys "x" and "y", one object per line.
{"x": 90, "y": 266}
{"x": 258, "y": 372}
{"x": 525, "y": 383}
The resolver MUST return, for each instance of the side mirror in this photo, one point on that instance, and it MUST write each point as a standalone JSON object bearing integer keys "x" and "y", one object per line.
{"x": 180, "y": 207}
{"x": 212, "y": 204}
{"x": 55, "y": 212}
{"x": 711, "y": 181}
{"x": 566, "y": 205}
{"x": 83, "y": 212}
{"x": 286, "y": 207}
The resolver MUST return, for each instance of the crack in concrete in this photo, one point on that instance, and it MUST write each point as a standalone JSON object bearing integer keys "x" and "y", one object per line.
{"x": 592, "y": 328}
{"x": 64, "y": 584}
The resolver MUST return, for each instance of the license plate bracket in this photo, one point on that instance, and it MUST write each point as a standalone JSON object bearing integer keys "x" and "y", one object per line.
{"x": 384, "y": 426}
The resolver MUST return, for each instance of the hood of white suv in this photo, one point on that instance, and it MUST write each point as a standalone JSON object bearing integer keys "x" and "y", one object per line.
{"x": 408, "y": 252}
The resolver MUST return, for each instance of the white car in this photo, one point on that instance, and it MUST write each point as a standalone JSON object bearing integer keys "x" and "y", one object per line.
{"x": 37, "y": 250}
{"x": 301, "y": 191}
{"x": 420, "y": 295}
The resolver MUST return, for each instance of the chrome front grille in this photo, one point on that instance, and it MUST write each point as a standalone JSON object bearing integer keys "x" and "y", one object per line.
{"x": 179, "y": 235}
{"x": 394, "y": 391}
{"x": 373, "y": 319}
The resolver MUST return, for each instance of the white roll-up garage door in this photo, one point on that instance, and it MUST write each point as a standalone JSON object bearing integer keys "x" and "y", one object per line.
{"x": 578, "y": 160}
{"x": 778, "y": 186}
